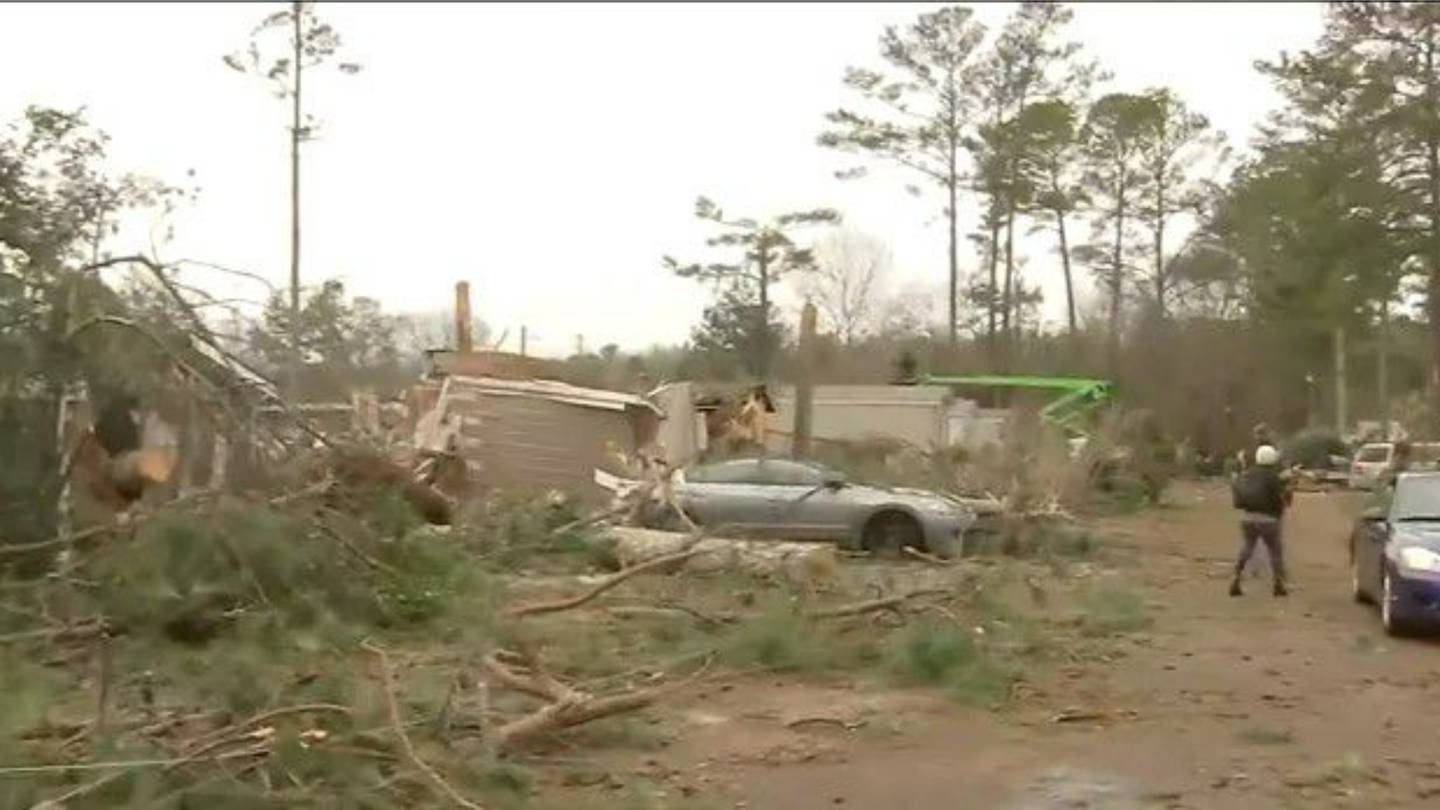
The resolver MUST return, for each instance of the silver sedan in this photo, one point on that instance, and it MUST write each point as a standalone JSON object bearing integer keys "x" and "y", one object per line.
{"x": 797, "y": 500}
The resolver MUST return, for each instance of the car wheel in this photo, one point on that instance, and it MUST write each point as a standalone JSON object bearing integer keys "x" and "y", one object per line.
{"x": 889, "y": 532}
{"x": 1391, "y": 617}
{"x": 1357, "y": 589}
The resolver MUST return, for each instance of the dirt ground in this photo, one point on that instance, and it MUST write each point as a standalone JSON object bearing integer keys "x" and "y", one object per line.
{"x": 1254, "y": 702}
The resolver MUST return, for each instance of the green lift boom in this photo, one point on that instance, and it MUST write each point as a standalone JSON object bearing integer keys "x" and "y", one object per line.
{"x": 1078, "y": 395}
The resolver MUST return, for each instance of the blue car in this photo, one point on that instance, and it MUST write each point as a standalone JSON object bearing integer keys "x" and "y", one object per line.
{"x": 1395, "y": 553}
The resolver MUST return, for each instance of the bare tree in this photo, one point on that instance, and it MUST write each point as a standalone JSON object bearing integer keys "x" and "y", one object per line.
{"x": 851, "y": 269}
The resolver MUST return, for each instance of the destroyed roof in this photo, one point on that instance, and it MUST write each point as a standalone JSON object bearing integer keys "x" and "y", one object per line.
{"x": 557, "y": 392}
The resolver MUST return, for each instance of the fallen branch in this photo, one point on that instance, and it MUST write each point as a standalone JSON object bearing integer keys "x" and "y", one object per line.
{"x": 568, "y": 707}
{"x": 929, "y": 558}
{"x": 119, "y": 770}
{"x": 73, "y": 537}
{"x": 586, "y": 522}
{"x": 223, "y": 736}
{"x": 676, "y": 611}
{"x": 319, "y": 488}
{"x": 848, "y": 725}
{"x": 538, "y": 684}
{"x": 870, "y": 606}
{"x": 605, "y": 584}
{"x": 345, "y": 543}
{"x": 79, "y": 631}
{"x": 397, "y": 725}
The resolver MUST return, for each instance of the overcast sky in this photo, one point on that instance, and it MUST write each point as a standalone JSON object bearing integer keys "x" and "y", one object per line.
{"x": 551, "y": 154}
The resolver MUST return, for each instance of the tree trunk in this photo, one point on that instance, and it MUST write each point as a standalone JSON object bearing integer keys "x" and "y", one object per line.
{"x": 1432, "y": 165}
{"x": 1065, "y": 267}
{"x": 1117, "y": 280}
{"x": 1007, "y": 313}
{"x": 762, "y": 322}
{"x": 1342, "y": 405}
{"x": 993, "y": 288}
{"x": 954, "y": 257}
{"x": 297, "y": 9}
{"x": 1160, "y": 245}
{"x": 1382, "y": 370}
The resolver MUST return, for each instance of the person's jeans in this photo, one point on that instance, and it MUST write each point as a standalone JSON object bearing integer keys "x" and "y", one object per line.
{"x": 1269, "y": 532}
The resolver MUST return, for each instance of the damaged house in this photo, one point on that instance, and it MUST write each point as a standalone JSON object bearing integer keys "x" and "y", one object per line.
{"x": 534, "y": 435}
{"x": 515, "y": 430}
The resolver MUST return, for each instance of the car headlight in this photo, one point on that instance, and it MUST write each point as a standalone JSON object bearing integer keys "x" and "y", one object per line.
{"x": 1416, "y": 558}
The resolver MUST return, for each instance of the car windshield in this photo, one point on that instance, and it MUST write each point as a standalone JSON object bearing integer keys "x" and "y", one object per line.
{"x": 1373, "y": 453}
{"x": 1416, "y": 498}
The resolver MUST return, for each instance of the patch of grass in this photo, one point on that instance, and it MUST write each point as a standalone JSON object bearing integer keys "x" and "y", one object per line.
{"x": 509, "y": 778}
{"x": 628, "y": 732}
{"x": 778, "y": 639}
{"x": 993, "y": 536}
{"x": 1364, "y": 643}
{"x": 1348, "y": 770}
{"x": 520, "y": 532}
{"x": 1260, "y": 735}
{"x": 1076, "y": 544}
{"x": 1110, "y": 610}
{"x": 944, "y": 654}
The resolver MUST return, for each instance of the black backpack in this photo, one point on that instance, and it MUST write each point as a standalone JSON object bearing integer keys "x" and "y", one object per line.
{"x": 1249, "y": 490}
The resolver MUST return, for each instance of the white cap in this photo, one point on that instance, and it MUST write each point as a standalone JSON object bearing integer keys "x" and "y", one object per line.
{"x": 1267, "y": 456}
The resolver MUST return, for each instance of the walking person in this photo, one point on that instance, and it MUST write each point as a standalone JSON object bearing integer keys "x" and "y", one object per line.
{"x": 1262, "y": 497}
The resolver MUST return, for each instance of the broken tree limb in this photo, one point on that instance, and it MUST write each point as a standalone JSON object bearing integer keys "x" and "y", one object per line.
{"x": 929, "y": 558}
{"x": 586, "y": 522}
{"x": 74, "y": 537}
{"x": 676, "y": 611}
{"x": 79, "y": 631}
{"x": 872, "y": 605}
{"x": 567, "y": 707}
{"x": 335, "y": 534}
{"x": 397, "y": 725}
{"x": 224, "y": 736}
{"x": 319, "y": 488}
{"x": 604, "y": 585}
{"x": 118, "y": 770}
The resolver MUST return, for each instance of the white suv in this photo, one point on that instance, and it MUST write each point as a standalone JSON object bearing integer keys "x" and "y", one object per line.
{"x": 1370, "y": 461}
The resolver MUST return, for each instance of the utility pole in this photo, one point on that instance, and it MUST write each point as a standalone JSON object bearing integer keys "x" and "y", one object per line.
{"x": 524, "y": 339}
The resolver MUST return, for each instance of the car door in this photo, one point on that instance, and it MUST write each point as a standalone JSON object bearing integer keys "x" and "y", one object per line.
{"x": 726, "y": 493}
{"x": 801, "y": 507}
{"x": 1373, "y": 536}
